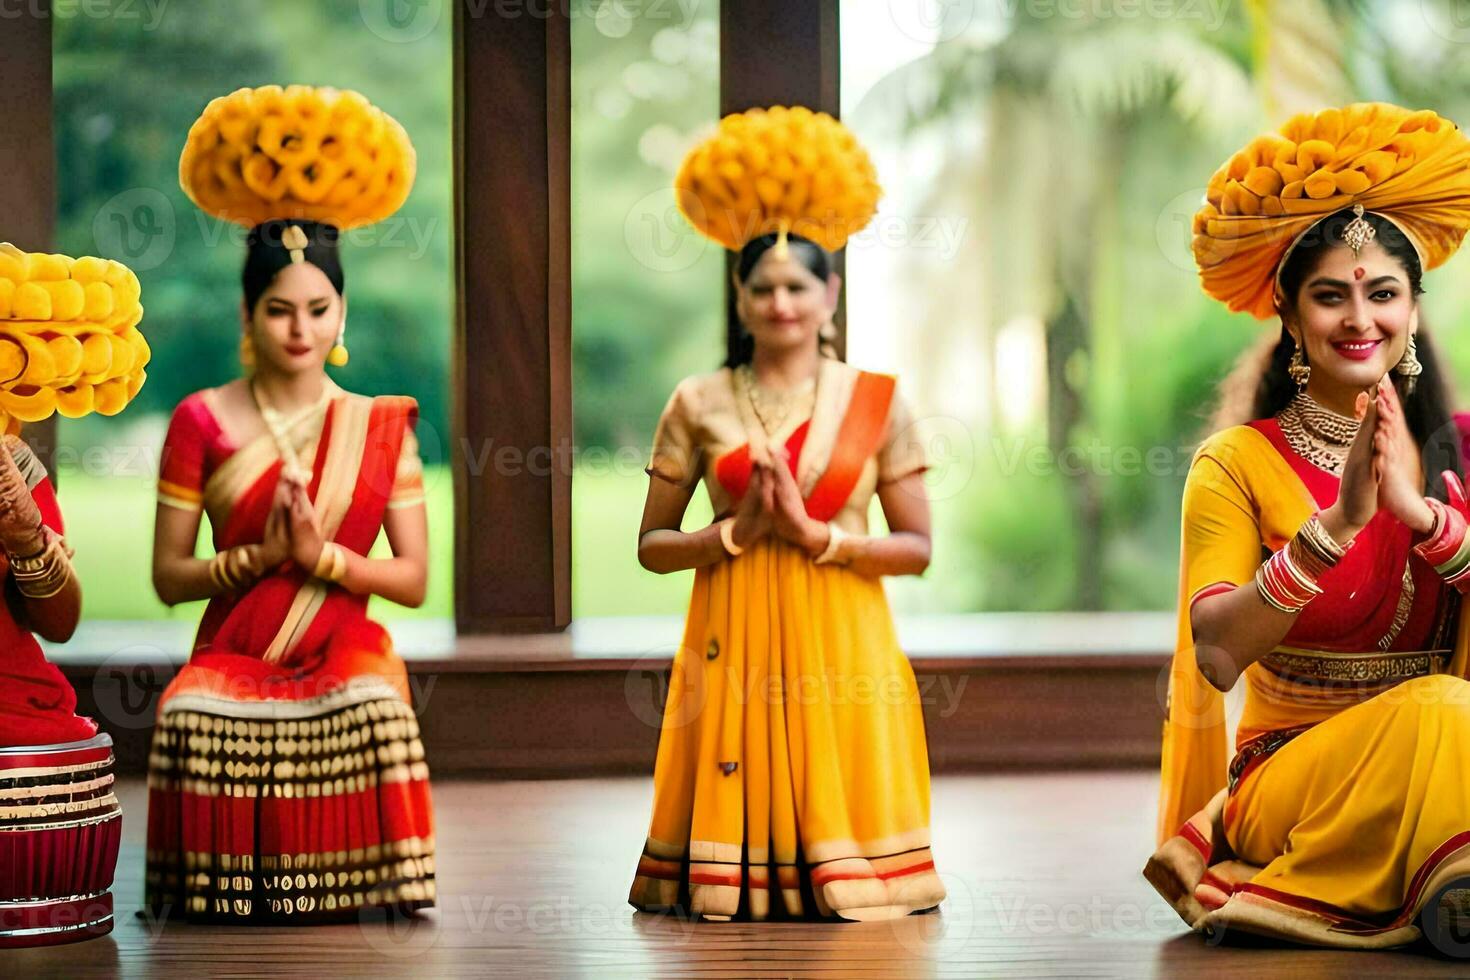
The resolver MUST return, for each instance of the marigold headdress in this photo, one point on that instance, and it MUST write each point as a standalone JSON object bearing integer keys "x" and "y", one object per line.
{"x": 779, "y": 171}
{"x": 69, "y": 339}
{"x": 1412, "y": 168}
{"x": 268, "y": 158}
{"x": 311, "y": 154}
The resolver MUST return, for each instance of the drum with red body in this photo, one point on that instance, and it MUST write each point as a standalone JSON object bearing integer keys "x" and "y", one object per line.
{"x": 60, "y": 827}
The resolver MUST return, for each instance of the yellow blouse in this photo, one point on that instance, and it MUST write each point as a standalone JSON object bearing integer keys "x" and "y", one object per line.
{"x": 705, "y": 419}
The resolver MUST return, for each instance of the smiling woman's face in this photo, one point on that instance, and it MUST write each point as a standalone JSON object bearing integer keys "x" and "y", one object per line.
{"x": 1354, "y": 314}
{"x": 295, "y": 323}
{"x": 783, "y": 304}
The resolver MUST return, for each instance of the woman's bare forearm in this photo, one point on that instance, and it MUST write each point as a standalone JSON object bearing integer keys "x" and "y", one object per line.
{"x": 897, "y": 553}
{"x": 402, "y": 579}
{"x": 665, "y": 550}
{"x": 53, "y": 618}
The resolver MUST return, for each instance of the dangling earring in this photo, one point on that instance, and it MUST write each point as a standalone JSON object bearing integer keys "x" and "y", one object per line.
{"x": 1299, "y": 370}
{"x": 1409, "y": 367}
{"x": 337, "y": 356}
{"x": 247, "y": 352}
{"x": 827, "y": 339}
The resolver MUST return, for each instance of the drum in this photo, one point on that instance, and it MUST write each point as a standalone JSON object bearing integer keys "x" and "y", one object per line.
{"x": 60, "y": 827}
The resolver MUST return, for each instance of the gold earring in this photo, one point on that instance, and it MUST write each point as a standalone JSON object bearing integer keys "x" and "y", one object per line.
{"x": 1409, "y": 367}
{"x": 247, "y": 351}
{"x": 337, "y": 356}
{"x": 1299, "y": 370}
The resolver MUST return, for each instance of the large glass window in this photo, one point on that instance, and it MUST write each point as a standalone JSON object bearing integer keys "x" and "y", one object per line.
{"x": 647, "y": 295}
{"x": 1029, "y": 275}
{"x": 127, "y": 87}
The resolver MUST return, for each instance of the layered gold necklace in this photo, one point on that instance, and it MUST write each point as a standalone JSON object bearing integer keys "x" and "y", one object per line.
{"x": 282, "y": 426}
{"x": 774, "y": 407}
{"x": 1317, "y": 434}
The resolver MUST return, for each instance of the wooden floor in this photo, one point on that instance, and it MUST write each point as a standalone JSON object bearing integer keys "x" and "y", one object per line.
{"x": 1042, "y": 872}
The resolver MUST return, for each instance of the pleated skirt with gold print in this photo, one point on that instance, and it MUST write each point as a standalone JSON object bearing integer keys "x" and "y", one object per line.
{"x": 294, "y": 804}
{"x": 792, "y": 777}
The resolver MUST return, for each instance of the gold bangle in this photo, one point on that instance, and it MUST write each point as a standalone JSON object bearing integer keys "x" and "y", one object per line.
{"x": 44, "y": 575}
{"x": 727, "y": 537}
{"x": 835, "y": 538}
{"x": 331, "y": 564}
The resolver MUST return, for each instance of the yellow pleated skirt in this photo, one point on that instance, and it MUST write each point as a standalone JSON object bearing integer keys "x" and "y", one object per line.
{"x": 792, "y": 776}
{"x": 1358, "y": 822}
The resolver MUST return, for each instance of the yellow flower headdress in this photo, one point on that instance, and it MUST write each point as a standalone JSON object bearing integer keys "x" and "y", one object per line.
{"x": 779, "y": 171}
{"x": 1413, "y": 168}
{"x": 69, "y": 339}
{"x": 303, "y": 153}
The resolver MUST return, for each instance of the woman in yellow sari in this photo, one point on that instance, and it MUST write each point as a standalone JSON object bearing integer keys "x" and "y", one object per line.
{"x": 287, "y": 782}
{"x": 1344, "y": 817}
{"x": 792, "y": 776}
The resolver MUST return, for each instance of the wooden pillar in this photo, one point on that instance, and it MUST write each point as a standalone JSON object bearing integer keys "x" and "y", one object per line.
{"x": 782, "y": 52}
{"x": 512, "y": 408}
{"x": 28, "y": 187}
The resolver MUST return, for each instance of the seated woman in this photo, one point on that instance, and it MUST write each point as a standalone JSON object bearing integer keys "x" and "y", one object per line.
{"x": 68, "y": 341}
{"x": 781, "y": 788}
{"x": 287, "y": 781}
{"x": 1344, "y": 819}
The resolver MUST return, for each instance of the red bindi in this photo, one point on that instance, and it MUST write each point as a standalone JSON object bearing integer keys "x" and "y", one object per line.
{"x": 1359, "y": 272}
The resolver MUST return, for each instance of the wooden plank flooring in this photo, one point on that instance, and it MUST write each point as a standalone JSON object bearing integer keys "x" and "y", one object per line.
{"x": 1042, "y": 870}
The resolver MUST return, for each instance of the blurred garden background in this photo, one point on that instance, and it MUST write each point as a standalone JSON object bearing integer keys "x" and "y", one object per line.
{"x": 1028, "y": 276}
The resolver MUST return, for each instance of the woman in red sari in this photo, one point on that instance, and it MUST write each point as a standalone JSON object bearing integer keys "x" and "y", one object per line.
{"x": 68, "y": 342}
{"x": 287, "y": 781}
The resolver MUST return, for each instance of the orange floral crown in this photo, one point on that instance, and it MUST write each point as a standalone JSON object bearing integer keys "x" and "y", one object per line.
{"x": 1412, "y": 168}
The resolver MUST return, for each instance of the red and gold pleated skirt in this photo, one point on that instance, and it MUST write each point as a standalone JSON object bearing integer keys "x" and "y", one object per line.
{"x": 277, "y": 800}
{"x": 60, "y": 827}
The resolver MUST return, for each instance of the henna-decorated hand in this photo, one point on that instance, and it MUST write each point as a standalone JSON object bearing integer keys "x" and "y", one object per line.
{"x": 20, "y": 518}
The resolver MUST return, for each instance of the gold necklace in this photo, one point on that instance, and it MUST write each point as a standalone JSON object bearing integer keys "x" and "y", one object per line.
{"x": 280, "y": 426}
{"x": 773, "y": 407}
{"x": 1317, "y": 434}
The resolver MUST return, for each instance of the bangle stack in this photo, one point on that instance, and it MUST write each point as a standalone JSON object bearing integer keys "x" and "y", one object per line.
{"x": 834, "y": 544}
{"x": 233, "y": 568}
{"x": 331, "y": 564}
{"x": 43, "y": 575}
{"x": 1447, "y": 547}
{"x": 1287, "y": 581}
